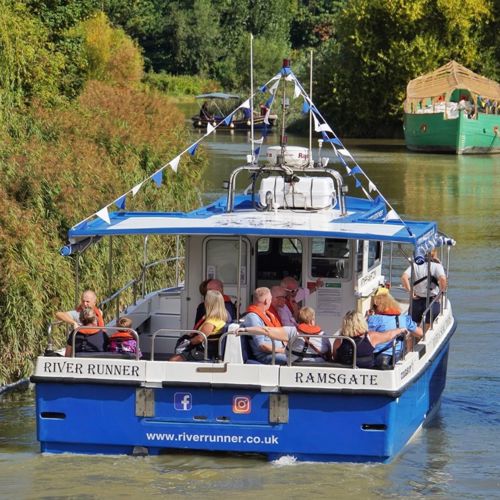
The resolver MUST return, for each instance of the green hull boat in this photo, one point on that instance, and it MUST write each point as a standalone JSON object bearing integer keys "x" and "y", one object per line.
{"x": 452, "y": 110}
{"x": 433, "y": 133}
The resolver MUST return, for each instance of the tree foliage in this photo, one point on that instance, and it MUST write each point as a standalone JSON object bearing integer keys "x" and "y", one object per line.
{"x": 381, "y": 44}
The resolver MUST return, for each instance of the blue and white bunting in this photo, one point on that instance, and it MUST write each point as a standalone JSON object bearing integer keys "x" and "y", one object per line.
{"x": 136, "y": 188}
{"x": 392, "y": 215}
{"x": 245, "y": 104}
{"x": 193, "y": 148}
{"x": 120, "y": 202}
{"x": 158, "y": 177}
{"x": 103, "y": 214}
{"x": 175, "y": 163}
{"x": 210, "y": 128}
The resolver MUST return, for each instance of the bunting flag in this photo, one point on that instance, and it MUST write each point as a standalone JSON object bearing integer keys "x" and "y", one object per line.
{"x": 356, "y": 170}
{"x": 324, "y": 127}
{"x": 344, "y": 152}
{"x": 175, "y": 163}
{"x": 210, "y": 128}
{"x": 305, "y": 107}
{"x": 371, "y": 187}
{"x": 296, "y": 91}
{"x": 316, "y": 122}
{"x": 136, "y": 188}
{"x": 357, "y": 183}
{"x": 227, "y": 120}
{"x": 266, "y": 116}
{"x": 263, "y": 89}
{"x": 193, "y": 148}
{"x": 272, "y": 90}
{"x": 391, "y": 215}
{"x": 120, "y": 202}
{"x": 348, "y": 170}
{"x": 104, "y": 215}
{"x": 158, "y": 177}
{"x": 257, "y": 151}
{"x": 259, "y": 141}
{"x": 245, "y": 104}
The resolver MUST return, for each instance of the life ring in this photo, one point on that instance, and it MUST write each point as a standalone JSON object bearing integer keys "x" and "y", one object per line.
{"x": 423, "y": 128}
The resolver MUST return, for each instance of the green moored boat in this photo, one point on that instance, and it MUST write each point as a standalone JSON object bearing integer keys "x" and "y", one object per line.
{"x": 452, "y": 110}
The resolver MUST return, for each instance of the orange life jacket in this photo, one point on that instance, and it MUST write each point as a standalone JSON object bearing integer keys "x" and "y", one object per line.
{"x": 274, "y": 312}
{"x": 309, "y": 329}
{"x": 268, "y": 318}
{"x": 89, "y": 331}
{"x": 122, "y": 335}
{"x": 98, "y": 313}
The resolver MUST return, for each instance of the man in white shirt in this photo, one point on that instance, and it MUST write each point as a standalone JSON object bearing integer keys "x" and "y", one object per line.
{"x": 438, "y": 282}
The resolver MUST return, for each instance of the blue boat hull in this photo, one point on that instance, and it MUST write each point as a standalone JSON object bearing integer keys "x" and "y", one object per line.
{"x": 322, "y": 426}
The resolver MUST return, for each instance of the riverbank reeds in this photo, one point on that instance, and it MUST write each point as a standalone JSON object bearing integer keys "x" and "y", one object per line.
{"x": 60, "y": 164}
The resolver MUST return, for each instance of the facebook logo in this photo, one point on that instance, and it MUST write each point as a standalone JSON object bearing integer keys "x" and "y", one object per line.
{"x": 183, "y": 401}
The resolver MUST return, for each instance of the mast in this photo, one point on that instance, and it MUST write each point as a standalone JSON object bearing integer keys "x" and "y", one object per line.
{"x": 252, "y": 135}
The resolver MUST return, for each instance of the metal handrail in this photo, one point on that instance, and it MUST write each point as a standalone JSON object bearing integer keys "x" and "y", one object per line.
{"x": 105, "y": 329}
{"x": 177, "y": 330}
{"x": 325, "y": 335}
{"x": 135, "y": 282}
{"x": 428, "y": 309}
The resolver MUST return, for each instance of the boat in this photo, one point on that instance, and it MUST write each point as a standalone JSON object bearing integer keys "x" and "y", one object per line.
{"x": 229, "y": 112}
{"x": 452, "y": 110}
{"x": 296, "y": 218}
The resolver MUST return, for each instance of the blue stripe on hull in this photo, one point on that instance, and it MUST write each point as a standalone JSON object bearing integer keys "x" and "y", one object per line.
{"x": 87, "y": 418}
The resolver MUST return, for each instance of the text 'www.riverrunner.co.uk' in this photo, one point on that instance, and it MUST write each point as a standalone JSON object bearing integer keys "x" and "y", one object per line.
{"x": 209, "y": 438}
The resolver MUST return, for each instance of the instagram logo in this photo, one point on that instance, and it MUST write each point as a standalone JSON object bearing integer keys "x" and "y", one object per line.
{"x": 242, "y": 404}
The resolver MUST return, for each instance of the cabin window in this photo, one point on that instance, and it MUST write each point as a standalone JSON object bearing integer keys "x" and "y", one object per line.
{"x": 222, "y": 260}
{"x": 359, "y": 255}
{"x": 374, "y": 253}
{"x": 278, "y": 258}
{"x": 330, "y": 258}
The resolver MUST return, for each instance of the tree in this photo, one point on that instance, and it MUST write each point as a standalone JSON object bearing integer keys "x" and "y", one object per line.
{"x": 381, "y": 44}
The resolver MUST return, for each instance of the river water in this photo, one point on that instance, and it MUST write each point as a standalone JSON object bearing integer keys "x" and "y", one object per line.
{"x": 457, "y": 456}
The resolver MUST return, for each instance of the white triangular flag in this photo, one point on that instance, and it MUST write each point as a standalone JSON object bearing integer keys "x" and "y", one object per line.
{"x": 391, "y": 215}
{"x": 135, "y": 189}
{"x": 104, "y": 215}
{"x": 347, "y": 169}
{"x": 372, "y": 187}
{"x": 272, "y": 90}
{"x": 324, "y": 127}
{"x": 259, "y": 141}
{"x": 175, "y": 163}
{"x": 210, "y": 128}
{"x": 296, "y": 90}
{"x": 344, "y": 152}
{"x": 289, "y": 78}
{"x": 246, "y": 104}
{"x": 316, "y": 122}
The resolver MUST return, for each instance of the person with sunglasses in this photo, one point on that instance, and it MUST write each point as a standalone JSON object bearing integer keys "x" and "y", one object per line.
{"x": 294, "y": 296}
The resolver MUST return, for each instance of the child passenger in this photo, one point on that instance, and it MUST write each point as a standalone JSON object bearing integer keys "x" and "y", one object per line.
{"x": 122, "y": 341}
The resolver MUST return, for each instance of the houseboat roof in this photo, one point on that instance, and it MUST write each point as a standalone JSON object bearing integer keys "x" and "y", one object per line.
{"x": 449, "y": 77}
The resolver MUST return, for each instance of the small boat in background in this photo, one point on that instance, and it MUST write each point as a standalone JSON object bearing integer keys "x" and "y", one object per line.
{"x": 452, "y": 110}
{"x": 217, "y": 110}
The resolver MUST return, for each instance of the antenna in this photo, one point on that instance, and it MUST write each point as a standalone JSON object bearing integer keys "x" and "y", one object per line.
{"x": 311, "y": 162}
{"x": 252, "y": 135}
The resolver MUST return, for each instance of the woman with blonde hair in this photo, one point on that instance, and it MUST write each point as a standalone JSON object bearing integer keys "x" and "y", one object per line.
{"x": 355, "y": 327}
{"x": 387, "y": 316}
{"x": 190, "y": 347}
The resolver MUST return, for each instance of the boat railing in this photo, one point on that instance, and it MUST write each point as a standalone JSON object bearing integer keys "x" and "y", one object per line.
{"x": 241, "y": 332}
{"x": 440, "y": 298}
{"x": 108, "y": 331}
{"x": 174, "y": 333}
{"x": 281, "y": 169}
{"x": 138, "y": 285}
{"x": 333, "y": 336}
